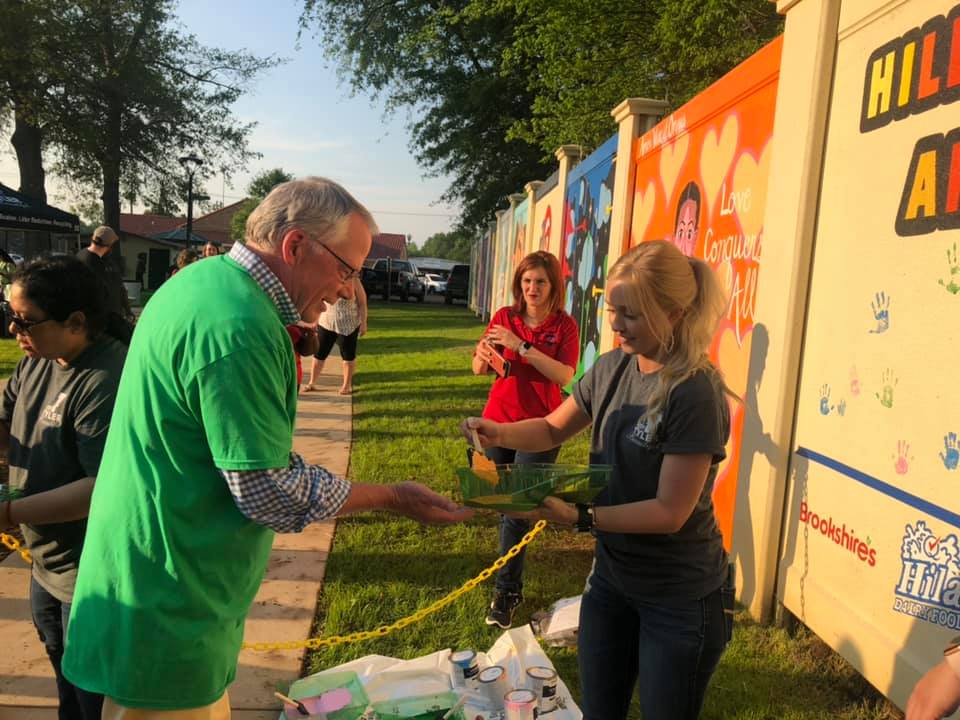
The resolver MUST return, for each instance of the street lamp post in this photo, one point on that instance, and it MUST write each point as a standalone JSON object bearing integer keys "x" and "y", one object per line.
{"x": 191, "y": 164}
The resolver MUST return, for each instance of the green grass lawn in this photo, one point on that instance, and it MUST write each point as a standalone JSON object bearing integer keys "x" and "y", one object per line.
{"x": 413, "y": 387}
{"x": 10, "y": 354}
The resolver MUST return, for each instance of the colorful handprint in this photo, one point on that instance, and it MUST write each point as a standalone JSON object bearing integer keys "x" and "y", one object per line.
{"x": 888, "y": 381}
{"x": 881, "y": 312}
{"x": 903, "y": 458}
{"x": 854, "y": 382}
{"x": 825, "y": 406}
{"x": 950, "y": 284}
{"x": 842, "y": 407}
{"x": 951, "y": 451}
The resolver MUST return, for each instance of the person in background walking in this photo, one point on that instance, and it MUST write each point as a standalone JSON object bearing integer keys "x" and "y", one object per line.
{"x": 119, "y": 315}
{"x": 542, "y": 343}
{"x": 342, "y": 323}
{"x": 53, "y": 425}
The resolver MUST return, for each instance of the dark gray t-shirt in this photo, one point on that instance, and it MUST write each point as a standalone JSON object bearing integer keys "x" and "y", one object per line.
{"x": 691, "y": 562}
{"x": 58, "y": 419}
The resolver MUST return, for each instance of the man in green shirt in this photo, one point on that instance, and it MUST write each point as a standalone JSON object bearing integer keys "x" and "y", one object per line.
{"x": 198, "y": 473}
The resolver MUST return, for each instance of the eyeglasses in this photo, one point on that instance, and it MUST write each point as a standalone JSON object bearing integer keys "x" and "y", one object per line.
{"x": 21, "y": 324}
{"x": 353, "y": 272}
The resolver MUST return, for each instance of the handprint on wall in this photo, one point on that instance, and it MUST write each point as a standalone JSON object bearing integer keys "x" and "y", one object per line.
{"x": 951, "y": 451}
{"x": 903, "y": 458}
{"x": 854, "y": 381}
{"x": 888, "y": 382}
{"x": 825, "y": 406}
{"x": 881, "y": 312}
{"x": 951, "y": 283}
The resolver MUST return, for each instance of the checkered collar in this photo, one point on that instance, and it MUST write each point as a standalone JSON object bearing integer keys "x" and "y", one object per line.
{"x": 268, "y": 282}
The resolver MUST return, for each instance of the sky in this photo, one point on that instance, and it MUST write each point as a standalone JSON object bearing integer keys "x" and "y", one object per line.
{"x": 307, "y": 123}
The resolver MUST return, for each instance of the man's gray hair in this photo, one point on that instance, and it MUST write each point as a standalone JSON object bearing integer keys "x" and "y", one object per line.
{"x": 314, "y": 204}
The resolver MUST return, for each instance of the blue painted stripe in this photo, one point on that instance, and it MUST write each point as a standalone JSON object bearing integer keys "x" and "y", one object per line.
{"x": 896, "y": 493}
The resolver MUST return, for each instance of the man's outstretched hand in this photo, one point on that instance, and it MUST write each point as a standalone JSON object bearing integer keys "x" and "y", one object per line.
{"x": 422, "y": 504}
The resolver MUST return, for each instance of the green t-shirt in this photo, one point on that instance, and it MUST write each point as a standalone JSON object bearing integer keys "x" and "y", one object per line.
{"x": 170, "y": 565}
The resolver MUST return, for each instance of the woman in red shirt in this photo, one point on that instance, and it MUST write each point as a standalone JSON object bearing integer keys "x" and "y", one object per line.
{"x": 542, "y": 343}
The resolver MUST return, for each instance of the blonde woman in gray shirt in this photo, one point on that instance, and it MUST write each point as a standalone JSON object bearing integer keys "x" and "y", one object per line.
{"x": 342, "y": 323}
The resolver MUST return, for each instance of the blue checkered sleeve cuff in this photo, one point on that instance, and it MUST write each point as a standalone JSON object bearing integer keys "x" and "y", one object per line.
{"x": 287, "y": 499}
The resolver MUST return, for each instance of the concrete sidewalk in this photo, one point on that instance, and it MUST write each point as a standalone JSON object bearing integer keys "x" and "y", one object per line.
{"x": 283, "y": 610}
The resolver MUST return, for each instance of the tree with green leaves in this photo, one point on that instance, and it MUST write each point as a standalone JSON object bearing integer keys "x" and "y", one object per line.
{"x": 443, "y": 61}
{"x": 259, "y": 187}
{"x": 495, "y": 86}
{"x": 121, "y": 92}
{"x": 446, "y": 245}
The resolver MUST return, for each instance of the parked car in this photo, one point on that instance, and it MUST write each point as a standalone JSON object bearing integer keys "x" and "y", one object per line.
{"x": 434, "y": 283}
{"x": 457, "y": 284}
{"x": 401, "y": 279}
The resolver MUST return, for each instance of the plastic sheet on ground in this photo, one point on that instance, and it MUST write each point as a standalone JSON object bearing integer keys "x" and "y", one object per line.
{"x": 385, "y": 678}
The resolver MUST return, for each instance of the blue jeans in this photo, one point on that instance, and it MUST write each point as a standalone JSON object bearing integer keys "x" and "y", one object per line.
{"x": 50, "y": 617}
{"x": 510, "y": 577}
{"x": 673, "y": 648}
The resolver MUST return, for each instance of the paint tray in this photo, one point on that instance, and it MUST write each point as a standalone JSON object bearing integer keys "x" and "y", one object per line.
{"x": 424, "y": 707}
{"x": 309, "y": 690}
{"x": 522, "y": 487}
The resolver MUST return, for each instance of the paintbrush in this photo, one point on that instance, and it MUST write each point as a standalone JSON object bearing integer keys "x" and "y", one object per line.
{"x": 457, "y": 705}
{"x": 301, "y": 708}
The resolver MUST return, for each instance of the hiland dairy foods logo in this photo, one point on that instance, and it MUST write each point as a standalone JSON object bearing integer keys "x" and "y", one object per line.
{"x": 53, "y": 413}
{"x": 929, "y": 585}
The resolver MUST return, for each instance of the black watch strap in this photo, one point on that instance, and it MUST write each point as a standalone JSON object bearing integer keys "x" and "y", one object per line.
{"x": 584, "y": 518}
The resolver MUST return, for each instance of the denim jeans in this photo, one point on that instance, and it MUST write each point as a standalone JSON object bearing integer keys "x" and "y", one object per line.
{"x": 672, "y": 647}
{"x": 510, "y": 577}
{"x": 50, "y": 617}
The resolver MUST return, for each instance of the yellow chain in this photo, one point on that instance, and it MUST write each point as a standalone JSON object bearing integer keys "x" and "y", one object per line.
{"x": 319, "y": 642}
{"x": 14, "y": 544}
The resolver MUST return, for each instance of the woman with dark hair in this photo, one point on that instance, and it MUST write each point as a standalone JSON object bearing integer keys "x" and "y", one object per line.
{"x": 687, "y": 224}
{"x": 542, "y": 343}
{"x": 53, "y": 424}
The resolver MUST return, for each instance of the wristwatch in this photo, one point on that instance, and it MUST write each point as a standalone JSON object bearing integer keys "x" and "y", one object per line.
{"x": 524, "y": 348}
{"x": 952, "y": 655}
{"x": 584, "y": 518}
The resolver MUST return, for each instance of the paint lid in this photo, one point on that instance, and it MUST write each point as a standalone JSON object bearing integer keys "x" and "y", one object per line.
{"x": 520, "y": 697}
{"x": 491, "y": 674}
{"x": 463, "y": 657}
{"x": 542, "y": 673}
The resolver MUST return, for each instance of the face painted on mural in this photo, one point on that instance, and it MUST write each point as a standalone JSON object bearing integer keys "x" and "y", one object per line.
{"x": 685, "y": 234}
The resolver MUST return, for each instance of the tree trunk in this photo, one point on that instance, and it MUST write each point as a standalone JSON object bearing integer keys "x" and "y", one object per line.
{"x": 110, "y": 166}
{"x": 27, "y": 142}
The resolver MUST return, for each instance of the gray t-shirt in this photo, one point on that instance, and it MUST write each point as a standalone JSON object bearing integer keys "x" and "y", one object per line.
{"x": 58, "y": 419}
{"x": 691, "y": 562}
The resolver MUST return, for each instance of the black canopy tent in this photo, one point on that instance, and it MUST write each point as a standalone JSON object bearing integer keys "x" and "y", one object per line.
{"x": 30, "y": 228}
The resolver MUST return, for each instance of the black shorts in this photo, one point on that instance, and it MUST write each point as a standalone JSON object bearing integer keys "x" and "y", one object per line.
{"x": 346, "y": 343}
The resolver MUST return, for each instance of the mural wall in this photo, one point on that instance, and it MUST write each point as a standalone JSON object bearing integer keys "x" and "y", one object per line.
{"x": 701, "y": 182}
{"x": 871, "y": 559}
{"x": 587, "y": 209}
{"x": 547, "y": 216}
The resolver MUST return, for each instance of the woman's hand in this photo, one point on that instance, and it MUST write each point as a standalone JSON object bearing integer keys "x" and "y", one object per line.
{"x": 363, "y": 328}
{"x": 484, "y": 351}
{"x": 553, "y": 510}
{"x": 487, "y": 431}
{"x": 499, "y": 335}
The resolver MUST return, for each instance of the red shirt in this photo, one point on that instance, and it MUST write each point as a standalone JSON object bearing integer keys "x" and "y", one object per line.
{"x": 525, "y": 393}
{"x": 296, "y": 333}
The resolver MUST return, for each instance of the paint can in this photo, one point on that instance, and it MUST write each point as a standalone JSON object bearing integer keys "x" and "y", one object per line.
{"x": 492, "y": 683}
{"x": 543, "y": 682}
{"x": 520, "y": 705}
{"x": 464, "y": 667}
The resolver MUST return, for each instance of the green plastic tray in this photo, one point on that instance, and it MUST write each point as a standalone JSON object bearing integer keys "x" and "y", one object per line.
{"x": 424, "y": 707}
{"x": 523, "y": 487}
{"x": 318, "y": 684}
